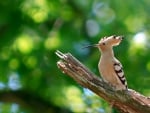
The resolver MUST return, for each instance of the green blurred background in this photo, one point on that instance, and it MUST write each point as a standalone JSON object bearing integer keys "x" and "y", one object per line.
{"x": 32, "y": 30}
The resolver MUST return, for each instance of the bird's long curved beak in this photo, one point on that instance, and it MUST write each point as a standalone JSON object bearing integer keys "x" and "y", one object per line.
{"x": 94, "y": 45}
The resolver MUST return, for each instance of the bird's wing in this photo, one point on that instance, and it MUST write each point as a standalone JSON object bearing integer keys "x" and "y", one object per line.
{"x": 120, "y": 73}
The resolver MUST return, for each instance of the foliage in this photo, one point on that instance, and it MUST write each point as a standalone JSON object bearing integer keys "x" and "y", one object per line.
{"x": 32, "y": 30}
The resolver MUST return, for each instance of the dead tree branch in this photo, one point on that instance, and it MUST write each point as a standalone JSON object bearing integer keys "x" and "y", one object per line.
{"x": 128, "y": 101}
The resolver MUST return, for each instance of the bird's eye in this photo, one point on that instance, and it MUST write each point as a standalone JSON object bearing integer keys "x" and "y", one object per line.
{"x": 114, "y": 36}
{"x": 103, "y": 43}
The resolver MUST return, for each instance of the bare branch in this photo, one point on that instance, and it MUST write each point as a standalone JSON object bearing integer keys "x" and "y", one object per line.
{"x": 127, "y": 101}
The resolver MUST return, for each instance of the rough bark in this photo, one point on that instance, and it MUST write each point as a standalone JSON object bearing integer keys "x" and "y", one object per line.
{"x": 126, "y": 101}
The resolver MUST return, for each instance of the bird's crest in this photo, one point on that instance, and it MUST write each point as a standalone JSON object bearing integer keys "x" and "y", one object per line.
{"x": 111, "y": 40}
{"x": 107, "y": 42}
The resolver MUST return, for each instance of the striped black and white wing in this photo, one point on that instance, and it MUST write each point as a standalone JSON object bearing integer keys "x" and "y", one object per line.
{"x": 120, "y": 73}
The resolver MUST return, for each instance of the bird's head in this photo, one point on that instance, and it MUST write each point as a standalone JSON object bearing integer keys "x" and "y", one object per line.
{"x": 108, "y": 42}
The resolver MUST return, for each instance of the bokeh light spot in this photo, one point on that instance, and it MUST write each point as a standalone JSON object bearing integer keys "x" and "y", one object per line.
{"x": 14, "y": 64}
{"x": 24, "y": 44}
{"x": 139, "y": 39}
{"x": 103, "y": 12}
{"x": 73, "y": 95}
{"x": 135, "y": 23}
{"x": 5, "y": 53}
{"x": 36, "y": 9}
{"x": 31, "y": 62}
{"x": 92, "y": 28}
{"x": 2, "y": 86}
{"x": 52, "y": 41}
{"x": 14, "y": 108}
{"x": 148, "y": 66}
{"x": 39, "y": 16}
{"x": 138, "y": 43}
{"x": 14, "y": 81}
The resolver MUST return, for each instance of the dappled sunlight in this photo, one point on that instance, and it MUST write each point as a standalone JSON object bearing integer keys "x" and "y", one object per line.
{"x": 92, "y": 27}
{"x": 5, "y": 53}
{"x": 135, "y": 23}
{"x": 24, "y": 44}
{"x": 11, "y": 108}
{"x": 103, "y": 12}
{"x": 39, "y": 15}
{"x": 36, "y": 9}
{"x": 37, "y": 72}
{"x": 31, "y": 62}
{"x": 52, "y": 41}
{"x": 73, "y": 99}
{"x": 2, "y": 86}
{"x": 94, "y": 103}
{"x": 14, "y": 81}
{"x": 14, "y": 108}
{"x": 138, "y": 43}
{"x": 14, "y": 63}
{"x": 139, "y": 39}
{"x": 66, "y": 13}
{"x": 148, "y": 66}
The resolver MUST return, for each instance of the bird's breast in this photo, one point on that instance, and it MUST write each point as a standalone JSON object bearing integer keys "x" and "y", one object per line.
{"x": 106, "y": 70}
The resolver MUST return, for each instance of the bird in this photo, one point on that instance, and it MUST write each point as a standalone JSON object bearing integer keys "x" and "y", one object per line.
{"x": 110, "y": 68}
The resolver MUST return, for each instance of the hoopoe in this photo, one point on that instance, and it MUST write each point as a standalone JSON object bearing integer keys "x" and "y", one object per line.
{"x": 109, "y": 67}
